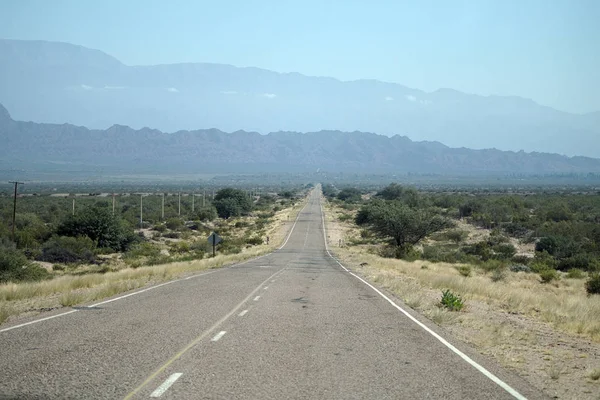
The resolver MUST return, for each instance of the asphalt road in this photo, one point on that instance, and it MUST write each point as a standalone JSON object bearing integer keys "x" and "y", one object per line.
{"x": 294, "y": 324}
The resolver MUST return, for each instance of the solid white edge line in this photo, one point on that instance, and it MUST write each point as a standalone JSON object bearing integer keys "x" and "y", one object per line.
{"x": 462, "y": 355}
{"x": 36, "y": 321}
{"x": 243, "y": 313}
{"x": 166, "y": 385}
{"x": 218, "y": 336}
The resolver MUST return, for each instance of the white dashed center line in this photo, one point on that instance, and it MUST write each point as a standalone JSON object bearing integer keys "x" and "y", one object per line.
{"x": 218, "y": 336}
{"x": 242, "y": 313}
{"x": 256, "y": 298}
{"x": 266, "y": 287}
{"x": 166, "y": 385}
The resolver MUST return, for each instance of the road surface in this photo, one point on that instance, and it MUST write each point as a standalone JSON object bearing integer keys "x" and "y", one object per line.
{"x": 294, "y": 324}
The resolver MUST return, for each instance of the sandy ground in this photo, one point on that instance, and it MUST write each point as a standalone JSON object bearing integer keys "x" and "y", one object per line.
{"x": 558, "y": 363}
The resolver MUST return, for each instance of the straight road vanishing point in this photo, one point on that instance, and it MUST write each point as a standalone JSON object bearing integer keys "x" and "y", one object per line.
{"x": 294, "y": 324}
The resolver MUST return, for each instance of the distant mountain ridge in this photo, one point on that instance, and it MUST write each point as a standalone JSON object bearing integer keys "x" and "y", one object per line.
{"x": 69, "y": 147}
{"x": 60, "y": 82}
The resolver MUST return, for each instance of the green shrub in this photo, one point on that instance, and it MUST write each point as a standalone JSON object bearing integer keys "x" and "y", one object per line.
{"x": 522, "y": 259}
{"x": 549, "y": 275}
{"x": 14, "y": 266}
{"x": 579, "y": 261}
{"x": 180, "y": 247}
{"x": 451, "y": 301}
{"x": 575, "y": 273}
{"x": 492, "y": 265}
{"x": 498, "y": 275}
{"x": 254, "y": 241}
{"x": 592, "y": 285}
{"x": 520, "y": 268}
{"x": 207, "y": 214}
{"x": 464, "y": 270}
{"x": 100, "y": 225}
{"x": 160, "y": 228}
{"x": 504, "y": 251}
{"x": 143, "y": 249}
{"x": 66, "y": 249}
{"x": 174, "y": 223}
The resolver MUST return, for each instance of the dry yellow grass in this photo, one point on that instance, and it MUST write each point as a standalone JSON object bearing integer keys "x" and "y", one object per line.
{"x": 69, "y": 290}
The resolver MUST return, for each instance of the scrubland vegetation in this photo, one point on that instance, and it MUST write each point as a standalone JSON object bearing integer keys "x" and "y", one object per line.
{"x": 62, "y": 258}
{"x": 515, "y": 274}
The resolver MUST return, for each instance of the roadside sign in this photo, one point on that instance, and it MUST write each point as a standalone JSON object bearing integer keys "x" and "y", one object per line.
{"x": 214, "y": 239}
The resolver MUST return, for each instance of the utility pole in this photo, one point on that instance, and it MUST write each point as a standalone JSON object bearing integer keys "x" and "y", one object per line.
{"x": 179, "y": 212}
{"x": 193, "y": 197}
{"x": 73, "y": 206}
{"x": 15, "y": 209}
{"x": 203, "y": 197}
{"x": 163, "y": 206}
{"x": 113, "y": 204}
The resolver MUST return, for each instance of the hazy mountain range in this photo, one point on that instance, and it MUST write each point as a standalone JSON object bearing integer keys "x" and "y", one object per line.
{"x": 64, "y": 147}
{"x": 59, "y": 82}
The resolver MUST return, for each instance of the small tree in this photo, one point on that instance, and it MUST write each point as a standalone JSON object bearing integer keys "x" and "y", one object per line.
{"x": 231, "y": 202}
{"x": 405, "y": 226}
{"x": 101, "y": 226}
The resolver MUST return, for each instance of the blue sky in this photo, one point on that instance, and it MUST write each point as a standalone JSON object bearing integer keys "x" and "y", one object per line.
{"x": 545, "y": 50}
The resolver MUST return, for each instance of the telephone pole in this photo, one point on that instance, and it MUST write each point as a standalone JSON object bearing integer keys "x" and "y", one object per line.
{"x": 193, "y": 197}
{"x": 15, "y": 209}
{"x": 179, "y": 212}
{"x": 113, "y": 204}
{"x": 163, "y": 206}
{"x": 203, "y": 197}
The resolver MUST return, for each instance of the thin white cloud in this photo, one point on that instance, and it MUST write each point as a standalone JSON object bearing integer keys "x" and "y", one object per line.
{"x": 86, "y": 87}
{"x": 410, "y": 97}
{"x": 107, "y": 87}
{"x": 172, "y": 90}
{"x": 229, "y": 92}
{"x": 389, "y": 98}
{"x": 269, "y": 95}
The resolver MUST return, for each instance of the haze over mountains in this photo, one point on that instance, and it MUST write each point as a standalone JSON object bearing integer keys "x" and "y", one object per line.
{"x": 63, "y": 147}
{"x": 59, "y": 82}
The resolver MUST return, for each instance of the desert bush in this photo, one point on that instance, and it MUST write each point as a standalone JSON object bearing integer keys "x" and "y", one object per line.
{"x": 254, "y": 241}
{"x": 548, "y": 275}
{"x": 14, "y": 266}
{"x": 174, "y": 223}
{"x": 143, "y": 249}
{"x": 207, "y": 214}
{"x": 504, "y": 251}
{"x": 520, "y": 268}
{"x": 592, "y": 285}
{"x": 160, "y": 228}
{"x": 180, "y": 247}
{"x": 498, "y": 275}
{"x": 464, "y": 270}
{"x": 65, "y": 249}
{"x": 575, "y": 273}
